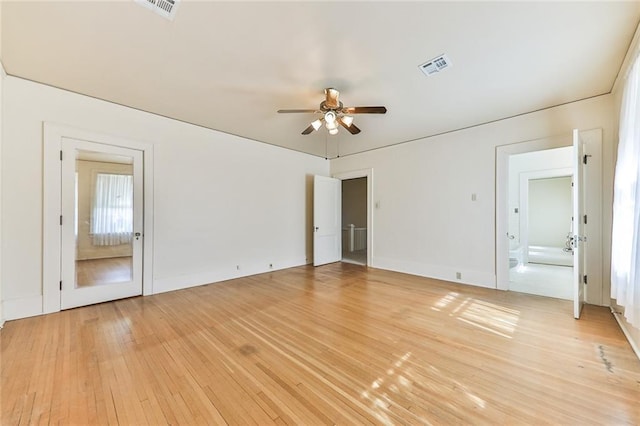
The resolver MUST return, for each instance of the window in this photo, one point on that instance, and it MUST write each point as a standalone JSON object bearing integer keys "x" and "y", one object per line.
{"x": 625, "y": 243}
{"x": 112, "y": 212}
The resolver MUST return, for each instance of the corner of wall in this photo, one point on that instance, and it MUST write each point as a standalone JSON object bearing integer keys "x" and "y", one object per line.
{"x": 632, "y": 52}
{"x": 2, "y": 76}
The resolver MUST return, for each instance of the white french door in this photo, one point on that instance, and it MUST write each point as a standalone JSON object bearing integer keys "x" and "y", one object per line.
{"x": 327, "y": 221}
{"x": 101, "y": 222}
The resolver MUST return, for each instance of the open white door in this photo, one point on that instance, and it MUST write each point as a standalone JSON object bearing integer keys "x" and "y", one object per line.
{"x": 578, "y": 224}
{"x": 102, "y": 222}
{"x": 327, "y": 241}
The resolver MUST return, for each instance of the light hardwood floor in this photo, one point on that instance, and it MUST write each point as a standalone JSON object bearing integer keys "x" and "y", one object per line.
{"x": 103, "y": 271}
{"x": 339, "y": 344}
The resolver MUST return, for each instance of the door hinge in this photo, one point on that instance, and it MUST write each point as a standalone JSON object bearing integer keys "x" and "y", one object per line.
{"x": 585, "y": 219}
{"x": 584, "y": 279}
{"x": 60, "y": 285}
{"x": 60, "y": 220}
{"x": 60, "y": 155}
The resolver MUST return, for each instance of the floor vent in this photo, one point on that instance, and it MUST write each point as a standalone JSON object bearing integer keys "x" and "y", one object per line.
{"x": 436, "y": 65}
{"x": 165, "y": 8}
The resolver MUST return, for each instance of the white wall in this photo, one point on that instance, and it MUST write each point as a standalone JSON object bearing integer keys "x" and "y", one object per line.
{"x": 550, "y": 211}
{"x": 427, "y": 223}
{"x": 2, "y": 78}
{"x": 220, "y": 200}
{"x": 529, "y": 164}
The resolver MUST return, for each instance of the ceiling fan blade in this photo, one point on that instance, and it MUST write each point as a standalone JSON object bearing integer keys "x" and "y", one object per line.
{"x": 365, "y": 110}
{"x": 289, "y": 111}
{"x": 332, "y": 98}
{"x": 353, "y": 129}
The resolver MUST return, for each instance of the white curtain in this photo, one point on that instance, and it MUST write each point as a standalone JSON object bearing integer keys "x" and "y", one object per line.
{"x": 625, "y": 250}
{"x": 112, "y": 213}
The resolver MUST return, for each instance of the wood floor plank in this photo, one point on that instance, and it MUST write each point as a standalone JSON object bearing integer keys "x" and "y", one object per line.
{"x": 337, "y": 344}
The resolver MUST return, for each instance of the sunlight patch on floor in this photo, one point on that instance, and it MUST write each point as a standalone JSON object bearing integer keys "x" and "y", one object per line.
{"x": 491, "y": 317}
{"x": 487, "y": 316}
{"x": 379, "y": 400}
{"x": 445, "y": 301}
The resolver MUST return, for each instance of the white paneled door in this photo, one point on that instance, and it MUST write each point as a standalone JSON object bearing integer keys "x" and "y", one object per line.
{"x": 102, "y": 223}
{"x": 327, "y": 234}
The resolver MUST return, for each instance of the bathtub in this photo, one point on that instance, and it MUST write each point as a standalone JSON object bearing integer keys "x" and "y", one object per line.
{"x": 515, "y": 257}
{"x": 550, "y": 256}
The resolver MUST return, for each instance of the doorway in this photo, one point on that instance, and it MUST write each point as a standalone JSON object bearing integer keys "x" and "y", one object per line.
{"x": 87, "y": 259}
{"x": 586, "y": 168}
{"x": 358, "y": 212}
{"x": 540, "y": 223}
{"x": 354, "y": 220}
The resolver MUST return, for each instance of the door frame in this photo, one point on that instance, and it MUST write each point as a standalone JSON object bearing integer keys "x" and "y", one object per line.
{"x": 52, "y": 191}
{"x": 368, "y": 173}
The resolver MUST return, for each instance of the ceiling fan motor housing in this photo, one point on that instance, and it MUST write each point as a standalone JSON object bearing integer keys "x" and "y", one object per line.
{"x": 324, "y": 107}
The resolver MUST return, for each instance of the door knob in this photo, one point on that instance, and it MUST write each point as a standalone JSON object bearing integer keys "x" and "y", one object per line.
{"x": 137, "y": 235}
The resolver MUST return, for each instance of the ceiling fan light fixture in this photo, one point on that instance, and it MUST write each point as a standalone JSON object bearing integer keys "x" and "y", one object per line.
{"x": 333, "y": 131}
{"x": 330, "y": 117}
{"x": 316, "y": 124}
{"x": 331, "y": 124}
{"x": 347, "y": 120}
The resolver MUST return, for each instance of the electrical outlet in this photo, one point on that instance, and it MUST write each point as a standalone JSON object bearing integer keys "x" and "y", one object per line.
{"x": 238, "y": 267}
{"x": 458, "y": 275}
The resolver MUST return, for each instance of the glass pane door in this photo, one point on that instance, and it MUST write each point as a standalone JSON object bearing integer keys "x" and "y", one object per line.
{"x": 102, "y": 223}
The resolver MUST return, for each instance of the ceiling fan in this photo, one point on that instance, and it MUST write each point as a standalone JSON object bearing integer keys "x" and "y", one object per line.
{"x": 335, "y": 114}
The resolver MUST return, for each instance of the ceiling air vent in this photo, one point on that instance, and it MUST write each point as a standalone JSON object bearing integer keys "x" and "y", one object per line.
{"x": 436, "y": 65}
{"x": 165, "y": 8}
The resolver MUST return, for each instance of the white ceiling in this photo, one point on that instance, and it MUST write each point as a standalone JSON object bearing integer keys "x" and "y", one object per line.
{"x": 230, "y": 66}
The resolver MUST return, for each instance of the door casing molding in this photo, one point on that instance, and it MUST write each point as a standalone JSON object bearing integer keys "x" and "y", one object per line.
{"x": 51, "y": 207}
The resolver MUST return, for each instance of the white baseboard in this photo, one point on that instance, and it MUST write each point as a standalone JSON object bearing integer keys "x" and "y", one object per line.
{"x": 622, "y": 322}
{"x": 163, "y": 285}
{"x": 22, "y": 308}
{"x": 469, "y": 277}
